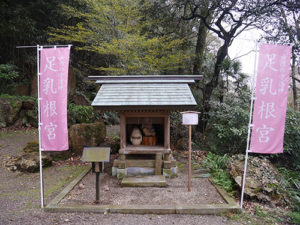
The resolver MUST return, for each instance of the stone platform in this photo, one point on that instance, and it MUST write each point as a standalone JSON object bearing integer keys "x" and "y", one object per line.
{"x": 144, "y": 181}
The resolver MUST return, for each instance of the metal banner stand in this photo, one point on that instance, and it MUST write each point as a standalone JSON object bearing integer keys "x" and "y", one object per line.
{"x": 38, "y": 48}
{"x": 39, "y": 123}
{"x": 250, "y": 125}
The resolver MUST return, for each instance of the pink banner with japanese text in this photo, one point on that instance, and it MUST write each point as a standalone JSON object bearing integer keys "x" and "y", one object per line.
{"x": 270, "y": 99}
{"x": 53, "y": 93}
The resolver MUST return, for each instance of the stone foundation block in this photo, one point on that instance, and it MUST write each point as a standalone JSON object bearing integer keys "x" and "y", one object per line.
{"x": 121, "y": 173}
{"x": 170, "y": 173}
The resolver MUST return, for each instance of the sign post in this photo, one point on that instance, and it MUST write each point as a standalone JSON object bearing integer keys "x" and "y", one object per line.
{"x": 97, "y": 156}
{"x": 190, "y": 118}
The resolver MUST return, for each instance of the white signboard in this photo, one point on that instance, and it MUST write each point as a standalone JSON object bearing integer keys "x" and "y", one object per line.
{"x": 190, "y": 118}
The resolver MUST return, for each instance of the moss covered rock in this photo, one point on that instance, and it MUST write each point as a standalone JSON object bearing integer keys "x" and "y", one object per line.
{"x": 9, "y": 110}
{"x": 86, "y": 134}
{"x": 262, "y": 180}
{"x": 32, "y": 146}
{"x": 17, "y": 111}
{"x": 28, "y": 162}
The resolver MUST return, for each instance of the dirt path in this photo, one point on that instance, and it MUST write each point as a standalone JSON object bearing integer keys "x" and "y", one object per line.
{"x": 20, "y": 194}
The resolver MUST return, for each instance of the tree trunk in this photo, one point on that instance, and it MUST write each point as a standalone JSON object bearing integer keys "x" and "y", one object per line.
{"x": 200, "y": 45}
{"x": 211, "y": 85}
{"x": 183, "y": 32}
{"x": 294, "y": 84}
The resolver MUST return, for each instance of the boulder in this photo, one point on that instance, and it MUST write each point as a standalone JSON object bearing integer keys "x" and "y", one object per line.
{"x": 28, "y": 162}
{"x": 31, "y": 118}
{"x": 86, "y": 134}
{"x": 32, "y": 146}
{"x": 262, "y": 177}
{"x": 9, "y": 111}
{"x": 80, "y": 99}
{"x": 28, "y": 104}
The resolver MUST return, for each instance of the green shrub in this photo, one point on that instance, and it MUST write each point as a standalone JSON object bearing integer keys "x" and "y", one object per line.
{"x": 215, "y": 162}
{"x": 295, "y": 216}
{"x": 228, "y": 129}
{"x": 8, "y": 75}
{"x": 8, "y": 72}
{"x": 292, "y": 138}
{"x": 218, "y": 170}
{"x": 290, "y": 184}
{"x": 228, "y": 126}
{"x": 81, "y": 114}
{"x": 22, "y": 98}
{"x": 177, "y": 130}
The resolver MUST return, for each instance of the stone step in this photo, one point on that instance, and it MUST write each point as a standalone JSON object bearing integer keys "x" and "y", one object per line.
{"x": 144, "y": 181}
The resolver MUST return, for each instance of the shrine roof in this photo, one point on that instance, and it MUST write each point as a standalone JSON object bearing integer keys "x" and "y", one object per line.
{"x": 149, "y": 92}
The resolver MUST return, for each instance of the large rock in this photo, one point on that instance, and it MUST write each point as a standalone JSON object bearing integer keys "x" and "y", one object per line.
{"x": 32, "y": 146}
{"x": 261, "y": 179}
{"x": 80, "y": 99}
{"x": 86, "y": 134}
{"x": 9, "y": 111}
{"x": 31, "y": 118}
{"x": 16, "y": 111}
{"x": 28, "y": 104}
{"x": 28, "y": 162}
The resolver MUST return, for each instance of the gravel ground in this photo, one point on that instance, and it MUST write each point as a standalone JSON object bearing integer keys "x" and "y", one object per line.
{"x": 111, "y": 192}
{"x": 20, "y": 194}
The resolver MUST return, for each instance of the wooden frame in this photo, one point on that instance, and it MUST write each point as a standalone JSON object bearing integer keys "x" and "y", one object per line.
{"x": 140, "y": 149}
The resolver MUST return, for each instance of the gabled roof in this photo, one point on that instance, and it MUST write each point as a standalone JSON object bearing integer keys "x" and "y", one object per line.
{"x": 159, "y": 92}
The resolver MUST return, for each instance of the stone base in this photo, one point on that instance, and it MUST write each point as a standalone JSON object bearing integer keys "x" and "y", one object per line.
{"x": 119, "y": 173}
{"x": 124, "y": 166}
{"x": 170, "y": 173}
{"x": 132, "y": 171}
{"x": 145, "y": 181}
{"x": 137, "y": 171}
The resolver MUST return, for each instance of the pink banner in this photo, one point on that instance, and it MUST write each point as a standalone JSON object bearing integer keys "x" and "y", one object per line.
{"x": 271, "y": 99}
{"x": 53, "y": 93}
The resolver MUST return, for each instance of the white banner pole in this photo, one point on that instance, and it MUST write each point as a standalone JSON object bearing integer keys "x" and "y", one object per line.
{"x": 249, "y": 125}
{"x": 39, "y": 111}
{"x": 39, "y": 124}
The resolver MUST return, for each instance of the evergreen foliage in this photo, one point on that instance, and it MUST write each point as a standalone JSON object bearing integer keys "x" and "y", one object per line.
{"x": 81, "y": 114}
{"x": 115, "y": 30}
{"x": 8, "y": 76}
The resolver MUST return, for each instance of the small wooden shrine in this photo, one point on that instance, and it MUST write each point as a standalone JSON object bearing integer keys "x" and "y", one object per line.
{"x": 144, "y": 104}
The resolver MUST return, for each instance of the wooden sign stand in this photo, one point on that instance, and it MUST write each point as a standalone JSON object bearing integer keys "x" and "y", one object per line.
{"x": 190, "y": 118}
{"x": 190, "y": 158}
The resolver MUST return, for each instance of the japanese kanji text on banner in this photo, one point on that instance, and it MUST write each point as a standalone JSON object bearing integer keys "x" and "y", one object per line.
{"x": 53, "y": 103}
{"x": 271, "y": 99}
